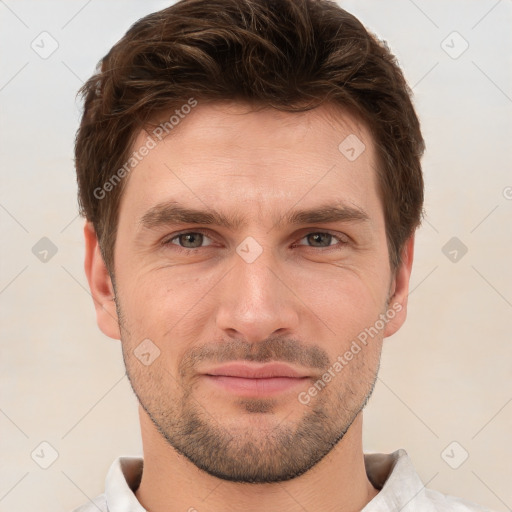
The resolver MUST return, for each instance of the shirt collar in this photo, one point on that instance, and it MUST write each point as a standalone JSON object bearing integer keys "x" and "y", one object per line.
{"x": 123, "y": 479}
{"x": 400, "y": 487}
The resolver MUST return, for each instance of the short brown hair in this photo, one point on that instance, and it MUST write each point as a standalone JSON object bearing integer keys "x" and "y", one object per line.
{"x": 291, "y": 55}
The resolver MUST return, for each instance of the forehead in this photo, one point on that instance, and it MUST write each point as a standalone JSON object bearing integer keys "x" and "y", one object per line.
{"x": 254, "y": 159}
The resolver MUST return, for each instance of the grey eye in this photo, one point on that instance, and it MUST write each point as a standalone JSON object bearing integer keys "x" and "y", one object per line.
{"x": 189, "y": 240}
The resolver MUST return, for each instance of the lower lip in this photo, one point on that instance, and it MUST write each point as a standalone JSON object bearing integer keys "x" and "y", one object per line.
{"x": 256, "y": 387}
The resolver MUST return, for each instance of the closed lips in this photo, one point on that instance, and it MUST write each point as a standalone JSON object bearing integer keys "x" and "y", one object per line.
{"x": 256, "y": 372}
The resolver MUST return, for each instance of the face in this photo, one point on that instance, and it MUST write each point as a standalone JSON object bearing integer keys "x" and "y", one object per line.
{"x": 284, "y": 260}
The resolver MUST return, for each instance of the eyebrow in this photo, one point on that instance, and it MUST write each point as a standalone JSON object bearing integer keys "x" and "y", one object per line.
{"x": 172, "y": 212}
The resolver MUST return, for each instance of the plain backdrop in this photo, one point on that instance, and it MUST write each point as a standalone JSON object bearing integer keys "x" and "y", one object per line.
{"x": 444, "y": 391}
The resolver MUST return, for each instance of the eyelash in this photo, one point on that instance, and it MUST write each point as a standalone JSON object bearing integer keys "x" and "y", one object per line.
{"x": 168, "y": 241}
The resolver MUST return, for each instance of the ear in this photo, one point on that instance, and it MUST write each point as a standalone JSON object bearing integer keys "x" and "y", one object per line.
{"x": 100, "y": 284}
{"x": 399, "y": 290}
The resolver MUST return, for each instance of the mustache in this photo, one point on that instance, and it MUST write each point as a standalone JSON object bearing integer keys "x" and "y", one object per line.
{"x": 274, "y": 348}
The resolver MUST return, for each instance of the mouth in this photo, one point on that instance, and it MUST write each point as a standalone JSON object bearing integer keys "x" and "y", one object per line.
{"x": 250, "y": 380}
{"x": 255, "y": 387}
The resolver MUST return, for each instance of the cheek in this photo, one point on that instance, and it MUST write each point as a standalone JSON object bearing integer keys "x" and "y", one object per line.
{"x": 163, "y": 294}
{"x": 167, "y": 308}
{"x": 345, "y": 299}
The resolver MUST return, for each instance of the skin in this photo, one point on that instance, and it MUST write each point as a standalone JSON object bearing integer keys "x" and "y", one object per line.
{"x": 302, "y": 301}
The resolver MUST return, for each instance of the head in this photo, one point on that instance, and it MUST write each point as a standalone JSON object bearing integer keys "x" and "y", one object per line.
{"x": 250, "y": 176}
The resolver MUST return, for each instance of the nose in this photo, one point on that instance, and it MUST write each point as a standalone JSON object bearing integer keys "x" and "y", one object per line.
{"x": 256, "y": 300}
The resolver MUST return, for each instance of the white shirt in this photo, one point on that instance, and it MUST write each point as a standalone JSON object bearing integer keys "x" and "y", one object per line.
{"x": 400, "y": 488}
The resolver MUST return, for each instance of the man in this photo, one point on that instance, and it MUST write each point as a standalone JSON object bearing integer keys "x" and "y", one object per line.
{"x": 250, "y": 175}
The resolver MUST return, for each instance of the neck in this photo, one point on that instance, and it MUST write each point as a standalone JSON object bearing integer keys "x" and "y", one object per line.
{"x": 170, "y": 482}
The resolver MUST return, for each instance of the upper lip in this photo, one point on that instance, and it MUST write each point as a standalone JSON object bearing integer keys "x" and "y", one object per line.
{"x": 256, "y": 372}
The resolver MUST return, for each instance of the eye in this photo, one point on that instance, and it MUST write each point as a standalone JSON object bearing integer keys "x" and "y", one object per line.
{"x": 190, "y": 240}
{"x": 324, "y": 239}
{"x": 187, "y": 240}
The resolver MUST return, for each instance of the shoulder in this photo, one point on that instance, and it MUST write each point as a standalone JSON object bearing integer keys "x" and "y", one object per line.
{"x": 98, "y": 504}
{"x": 401, "y": 488}
{"x": 445, "y": 502}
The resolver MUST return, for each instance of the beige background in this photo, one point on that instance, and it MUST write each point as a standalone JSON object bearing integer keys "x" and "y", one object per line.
{"x": 446, "y": 376}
